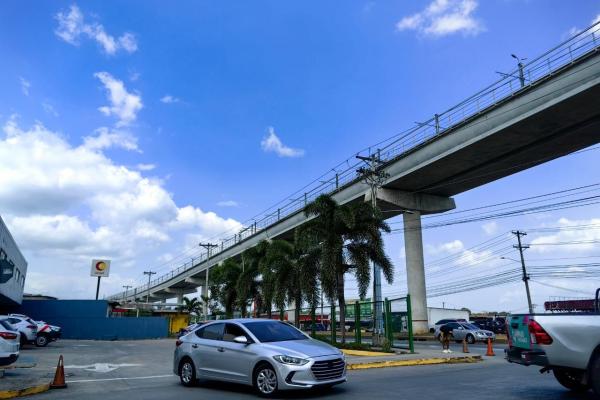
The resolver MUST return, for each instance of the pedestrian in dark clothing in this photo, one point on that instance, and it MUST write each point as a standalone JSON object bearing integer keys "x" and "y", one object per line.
{"x": 445, "y": 335}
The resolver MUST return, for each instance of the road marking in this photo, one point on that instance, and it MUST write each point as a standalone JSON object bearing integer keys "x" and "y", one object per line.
{"x": 120, "y": 379}
{"x": 101, "y": 367}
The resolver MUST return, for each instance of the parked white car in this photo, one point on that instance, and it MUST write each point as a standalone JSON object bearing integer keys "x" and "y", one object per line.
{"x": 46, "y": 333}
{"x": 24, "y": 325}
{"x": 9, "y": 343}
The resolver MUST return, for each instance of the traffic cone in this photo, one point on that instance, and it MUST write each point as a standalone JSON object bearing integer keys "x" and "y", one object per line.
{"x": 59, "y": 376}
{"x": 490, "y": 350}
{"x": 465, "y": 346}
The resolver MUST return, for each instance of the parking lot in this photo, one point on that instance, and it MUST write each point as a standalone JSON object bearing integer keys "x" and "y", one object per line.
{"x": 142, "y": 370}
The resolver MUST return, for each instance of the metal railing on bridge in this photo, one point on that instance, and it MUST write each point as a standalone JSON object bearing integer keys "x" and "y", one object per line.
{"x": 536, "y": 71}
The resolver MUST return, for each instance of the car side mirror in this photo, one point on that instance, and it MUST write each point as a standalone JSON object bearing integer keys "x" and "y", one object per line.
{"x": 241, "y": 339}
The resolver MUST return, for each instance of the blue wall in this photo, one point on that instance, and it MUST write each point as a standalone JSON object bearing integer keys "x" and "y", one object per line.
{"x": 86, "y": 319}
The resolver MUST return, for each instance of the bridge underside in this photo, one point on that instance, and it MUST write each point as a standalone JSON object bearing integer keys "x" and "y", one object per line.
{"x": 558, "y": 130}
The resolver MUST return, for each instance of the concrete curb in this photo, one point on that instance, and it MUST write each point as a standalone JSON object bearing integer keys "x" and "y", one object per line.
{"x": 410, "y": 363}
{"x": 11, "y": 394}
{"x": 366, "y": 353}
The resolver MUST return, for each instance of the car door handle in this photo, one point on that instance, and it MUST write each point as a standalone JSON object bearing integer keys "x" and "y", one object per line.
{"x": 194, "y": 346}
{"x": 220, "y": 349}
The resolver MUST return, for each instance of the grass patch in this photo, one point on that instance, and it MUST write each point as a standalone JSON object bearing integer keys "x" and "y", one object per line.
{"x": 352, "y": 345}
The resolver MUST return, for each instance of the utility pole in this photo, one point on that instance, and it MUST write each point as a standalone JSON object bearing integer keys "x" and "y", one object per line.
{"x": 208, "y": 247}
{"x": 149, "y": 273}
{"x": 374, "y": 176}
{"x": 522, "y": 247}
{"x": 126, "y": 288}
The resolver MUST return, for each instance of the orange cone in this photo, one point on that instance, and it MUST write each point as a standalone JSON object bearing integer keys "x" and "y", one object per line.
{"x": 490, "y": 350}
{"x": 465, "y": 346}
{"x": 59, "y": 376}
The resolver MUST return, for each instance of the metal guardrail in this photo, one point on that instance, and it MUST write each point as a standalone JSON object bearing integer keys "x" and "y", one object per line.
{"x": 344, "y": 174}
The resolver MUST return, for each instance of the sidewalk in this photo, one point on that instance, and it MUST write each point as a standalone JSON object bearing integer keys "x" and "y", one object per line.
{"x": 405, "y": 359}
{"x": 24, "y": 378}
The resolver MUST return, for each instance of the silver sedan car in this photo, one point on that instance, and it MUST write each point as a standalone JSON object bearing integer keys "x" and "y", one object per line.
{"x": 469, "y": 332}
{"x": 269, "y": 355}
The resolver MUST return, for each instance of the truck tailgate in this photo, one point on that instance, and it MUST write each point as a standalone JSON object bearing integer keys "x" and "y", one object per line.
{"x": 518, "y": 331}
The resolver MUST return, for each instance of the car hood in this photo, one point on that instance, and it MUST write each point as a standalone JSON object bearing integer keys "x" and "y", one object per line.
{"x": 302, "y": 348}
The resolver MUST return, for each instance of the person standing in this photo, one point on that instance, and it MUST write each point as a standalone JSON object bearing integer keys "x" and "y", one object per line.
{"x": 445, "y": 335}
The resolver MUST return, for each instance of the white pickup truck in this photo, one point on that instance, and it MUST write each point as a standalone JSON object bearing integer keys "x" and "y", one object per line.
{"x": 566, "y": 344}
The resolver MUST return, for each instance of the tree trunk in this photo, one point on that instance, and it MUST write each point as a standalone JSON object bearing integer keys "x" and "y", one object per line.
{"x": 298, "y": 304}
{"x": 342, "y": 304}
{"x": 269, "y": 311}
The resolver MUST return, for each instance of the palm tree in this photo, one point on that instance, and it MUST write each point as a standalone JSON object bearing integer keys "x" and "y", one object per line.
{"x": 349, "y": 238}
{"x": 224, "y": 278}
{"x": 249, "y": 286}
{"x": 292, "y": 273}
{"x": 192, "y": 306}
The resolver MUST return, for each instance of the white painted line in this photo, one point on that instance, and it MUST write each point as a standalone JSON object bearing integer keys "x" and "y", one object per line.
{"x": 120, "y": 379}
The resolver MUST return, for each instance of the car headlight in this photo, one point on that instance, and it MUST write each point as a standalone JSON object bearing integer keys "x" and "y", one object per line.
{"x": 290, "y": 360}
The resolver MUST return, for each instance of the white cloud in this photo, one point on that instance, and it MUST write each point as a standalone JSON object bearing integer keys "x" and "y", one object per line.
{"x": 69, "y": 204}
{"x": 168, "y": 99}
{"x": 584, "y": 237}
{"x": 449, "y": 247}
{"x": 228, "y": 203}
{"x": 49, "y": 109}
{"x": 272, "y": 143}
{"x": 123, "y": 104}
{"x": 574, "y": 30}
{"x": 106, "y": 138}
{"x": 72, "y": 25}
{"x": 25, "y": 85}
{"x": 146, "y": 167}
{"x": 444, "y": 17}
{"x": 490, "y": 228}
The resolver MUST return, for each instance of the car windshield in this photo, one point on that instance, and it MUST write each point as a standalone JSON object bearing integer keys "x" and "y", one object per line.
{"x": 273, "y": 331}
{"x": 471, "y": 326}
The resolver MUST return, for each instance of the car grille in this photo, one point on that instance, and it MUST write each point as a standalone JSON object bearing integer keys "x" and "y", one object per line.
{"x": 327, "y": 370}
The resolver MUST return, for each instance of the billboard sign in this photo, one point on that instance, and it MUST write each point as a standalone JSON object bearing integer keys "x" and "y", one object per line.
{"x": 100, "y": 268}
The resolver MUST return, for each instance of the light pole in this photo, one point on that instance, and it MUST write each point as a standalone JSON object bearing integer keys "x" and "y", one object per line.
{"x": 149, "y": 273}
{"x": 208, "y": 247}
{"x": 126, "y": 287}
{"x": 374, "y": 176}
{"x": 520, "y": 66}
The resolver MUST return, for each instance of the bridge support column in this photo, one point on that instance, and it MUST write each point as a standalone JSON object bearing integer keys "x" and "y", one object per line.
{"x": 412, "y": 206}
{"x": 180, "y": 298}
{"x": 415, "y": 270}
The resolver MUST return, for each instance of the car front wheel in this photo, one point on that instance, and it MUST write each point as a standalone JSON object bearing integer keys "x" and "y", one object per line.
{"x": 572, "y": 380}
{"x": 470, "y": 339}
{"x": 41, "y": 341}
{"x": 265, "y": 380}
{"x": 187, "y": 372}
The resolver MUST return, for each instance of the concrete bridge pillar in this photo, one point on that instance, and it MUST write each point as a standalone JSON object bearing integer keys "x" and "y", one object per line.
{"x": 415, "y": 270}
{"x": 412, "y": 206}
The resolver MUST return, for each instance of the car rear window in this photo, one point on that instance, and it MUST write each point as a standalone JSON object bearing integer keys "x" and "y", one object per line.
{"x": 273, "y": 331}
{"x": 6, "y": 325}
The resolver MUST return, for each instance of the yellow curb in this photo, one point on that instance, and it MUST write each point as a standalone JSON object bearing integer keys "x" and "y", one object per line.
{"x": 408, "y": 363}
{"x": 11, "y": 394}
{"x": 364, "y": 353}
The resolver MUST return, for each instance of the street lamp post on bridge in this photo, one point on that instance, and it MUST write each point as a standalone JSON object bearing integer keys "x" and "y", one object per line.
{"x": 208, "y": 247}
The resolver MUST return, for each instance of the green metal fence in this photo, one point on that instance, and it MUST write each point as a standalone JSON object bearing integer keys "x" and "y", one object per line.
{"x": 324, "y": 321}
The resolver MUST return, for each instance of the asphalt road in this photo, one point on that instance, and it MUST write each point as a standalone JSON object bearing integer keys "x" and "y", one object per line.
{"x": 142, "y": 370}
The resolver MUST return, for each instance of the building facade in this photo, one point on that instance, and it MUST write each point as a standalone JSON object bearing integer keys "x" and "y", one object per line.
{"x": 13, "y": 269}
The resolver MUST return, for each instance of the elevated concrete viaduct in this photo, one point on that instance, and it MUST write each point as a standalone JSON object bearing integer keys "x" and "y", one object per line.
{"x": 504, "y": 129}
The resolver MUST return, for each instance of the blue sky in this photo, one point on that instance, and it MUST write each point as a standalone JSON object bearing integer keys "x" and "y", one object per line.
{"x": 133, "y": 129}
